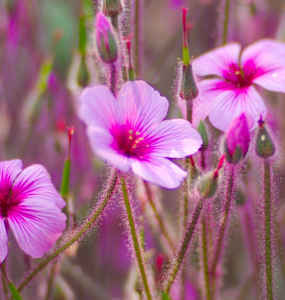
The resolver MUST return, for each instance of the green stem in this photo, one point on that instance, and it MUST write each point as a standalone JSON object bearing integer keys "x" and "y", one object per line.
{"x": 90, "y": 220}
{"x": 5, "y": 286}
{"x": 137, "y": 37}
{"x": 205, "y": 257}
{"x": 51, "y": 281}
{"x": 226, "y": 21}
{"x": 189, "y": 107}
{"x": 137, "y": 245}
{"x": 159, "y": 218}
{"x": 183, "y": 249}
{"x": 115, "y": 23}
{"x": 224, "y": 223}
{"x": 113, "y": 79}
{"x": 267, "y": 232}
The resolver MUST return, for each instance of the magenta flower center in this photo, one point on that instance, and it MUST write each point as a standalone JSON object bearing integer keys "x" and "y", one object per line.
{"x": 4, "y": 204}
{"x": 130, "y": 142}
{"x": 240, "y": 76}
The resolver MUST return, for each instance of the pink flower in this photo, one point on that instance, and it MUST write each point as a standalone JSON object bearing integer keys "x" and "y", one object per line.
{"x": 31, "y": 207}
{"x": 128, "y": 132}
{"x": 237, "y": 138}
{"x": 226, "y": 97}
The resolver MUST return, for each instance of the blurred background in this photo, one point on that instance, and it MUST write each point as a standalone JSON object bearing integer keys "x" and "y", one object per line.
{"x": 44, "y": 63}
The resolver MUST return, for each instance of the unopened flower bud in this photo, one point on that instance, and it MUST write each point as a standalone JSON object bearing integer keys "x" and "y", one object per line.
{"x": 204, "y": 135}
{"x": 237, "y": 140}
{"x": 82, "y": 73}
{"x": 189, "y": 90}
{"x": 112, "y": 8}
{"x": 105, "y": 39}
{"x": 264, "y": 146}
{"x": 239, "y": 196}
{"x": 208, "y": 185}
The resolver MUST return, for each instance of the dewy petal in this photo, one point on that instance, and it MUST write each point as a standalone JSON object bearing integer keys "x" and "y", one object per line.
{"x": 217, "y": 61}
{"x": 266, "y": 60}
{"x": 229, "y": 102}
{"x": 103, "y": 144}
{"x": 175, "y": 139}
{"x": 36, "y": 225}
{"x": 160, "y": 171}
{"x": 9, "y": 170}
{"x": 142, "y": 107}
{"x": 3, "y": 241}
{"x": 99, "y": 108}
{"x": 35, "y": 183}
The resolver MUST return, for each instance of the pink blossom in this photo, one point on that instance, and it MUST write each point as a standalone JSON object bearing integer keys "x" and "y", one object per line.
{"x": 237, "y": 135}
{"x": 31, "y": 207}
{"x": 232, "y": 93}
{"x": 128, "y": 132}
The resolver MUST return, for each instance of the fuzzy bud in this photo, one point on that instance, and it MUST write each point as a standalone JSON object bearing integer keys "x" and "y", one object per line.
{"x": 82, "y": 73}
{"x": 204, "y": 135}
{"x": 239, "y": 196}
{"x": 189, "y": 90}
{"x": 264, "y": 146}
{"x": 237, "y": 140}
{"x": 105, "y": 39}
{"x": 208, "y": 185}
{"x": 112, "y": 8}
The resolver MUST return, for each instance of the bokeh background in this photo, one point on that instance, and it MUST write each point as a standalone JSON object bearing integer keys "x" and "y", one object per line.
{"x": 39, "y": 62}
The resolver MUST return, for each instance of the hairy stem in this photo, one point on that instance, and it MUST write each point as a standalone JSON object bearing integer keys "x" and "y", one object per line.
{"x": 189, "y": 107}
{"x": 225, "y": 218}
{"x": 205, "y": 257}
{"x": 113, "y": 79}
{"x": 185, "y": 243}
{"x": 137, "y": 244}
{"x": 137, "y": 36}
{"x": 90, "y": 220}
{"x": 158, "y": 216}
{"x": 267, "y": 231}
{"x": 226, "y": 21}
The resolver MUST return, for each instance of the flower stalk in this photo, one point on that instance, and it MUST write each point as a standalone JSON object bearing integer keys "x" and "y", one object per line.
{"x": 267, "y": 230}
{"x": 225, "y": 218}
{"x": 136, "y": 242}
{"x": 184, "y": 246}
{"x": 89, "y": 222}
{"x": 226, "y": 21}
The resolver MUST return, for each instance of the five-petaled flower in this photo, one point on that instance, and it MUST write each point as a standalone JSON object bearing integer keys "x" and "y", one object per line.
{"x": 129, "y": 132}
{"x": 226, "y": 97}
{"x": 31, "y": 207}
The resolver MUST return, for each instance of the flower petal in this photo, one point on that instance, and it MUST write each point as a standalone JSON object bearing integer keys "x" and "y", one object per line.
{"x": 35, "y": 183}
{"x": 266, "y": 60}
{"x": 9, "y": 170}
{"x": 3, "y": 241}
{"x": 217, "y": 61}
{"x": 142, "y": 107}
{"x": 174, "y": 138}
{"x": 104, "y": 146}
{"x": 160, "y": 171}
{"x": 228, "y": 102}
{"x": 36, "y": 225}
{"x": 99, "y": 107}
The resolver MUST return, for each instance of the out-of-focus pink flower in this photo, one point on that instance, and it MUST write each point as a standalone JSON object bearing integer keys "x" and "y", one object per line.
{"x": 128, "y": 132}
{"x": 31, "y": 207}
{"x": 226, "y": 97}
{"x": 105, "y": 39}
{"x": 237, "y": 135}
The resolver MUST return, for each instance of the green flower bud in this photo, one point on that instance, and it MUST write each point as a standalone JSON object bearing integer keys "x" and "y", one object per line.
{"x": 239, "y": 196}
{"x": 264, "y": 146}
{"x": 112, "y": 8}
{"x": 189, "y": 90}
{"x": 208, "y": 185}
{"x": 82, "y": 73}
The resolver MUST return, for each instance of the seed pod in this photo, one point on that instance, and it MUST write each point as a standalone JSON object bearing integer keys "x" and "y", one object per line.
{"x": 112, "y": 8}
{"x": 264, "y": 146}
{"x": 208, "y": 185}
{"x": 204, "y": 135}
{"x": 105, "y": 39}
{"x": 189, "y": 90}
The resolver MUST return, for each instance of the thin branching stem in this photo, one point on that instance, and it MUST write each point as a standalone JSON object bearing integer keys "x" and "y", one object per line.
{"x": 185, "y": 243}
{"x": 89, "y": 222}
{"x": 137, "y": 244}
